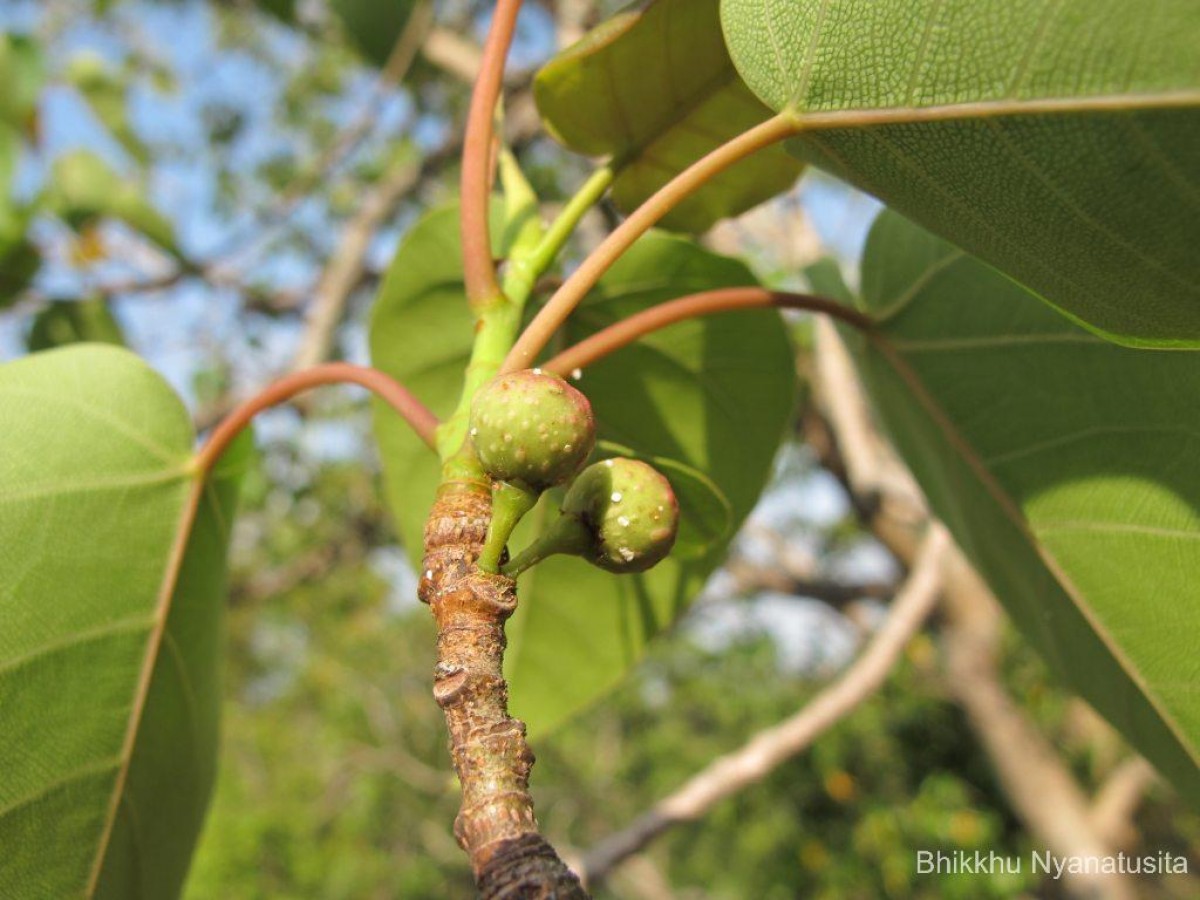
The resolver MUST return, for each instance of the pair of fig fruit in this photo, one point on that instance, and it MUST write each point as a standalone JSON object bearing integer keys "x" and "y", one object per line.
{"x": 533, "y": 431}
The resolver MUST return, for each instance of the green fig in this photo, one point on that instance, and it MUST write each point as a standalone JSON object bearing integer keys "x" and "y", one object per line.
{"x": 531, "y": 429}
{"x": 619, "y": 514}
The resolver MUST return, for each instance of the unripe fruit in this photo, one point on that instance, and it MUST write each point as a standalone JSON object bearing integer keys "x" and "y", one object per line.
{"x": 630, "y": 511}
{"x": 531, "y": 429}
{"x": 619, "y": 514}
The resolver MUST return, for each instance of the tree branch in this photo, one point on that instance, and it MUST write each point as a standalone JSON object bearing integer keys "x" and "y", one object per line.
{"x": 767, "y": 750}
{"x": 1042, "y": 791}
{"x": 496, "y": 824}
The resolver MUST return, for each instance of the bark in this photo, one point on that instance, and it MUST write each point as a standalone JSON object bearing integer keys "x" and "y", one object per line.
{"x": 496, "y": 824}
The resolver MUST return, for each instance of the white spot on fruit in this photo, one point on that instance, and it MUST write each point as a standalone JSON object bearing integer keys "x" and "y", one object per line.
{"x": 623, "y": 521}
{"x": 616, "y": 496}
{"x": 576, "y": 374}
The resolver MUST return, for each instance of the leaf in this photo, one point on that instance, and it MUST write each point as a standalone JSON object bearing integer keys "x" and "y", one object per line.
{"x": 373, "y": 27}
{"x": 1066, "y": 468}
{"x": 84, "y": 187}
{"x": 1056, "y": 141}
{"x": 22, "y": 72}
{"x": 111, "y": 591}
{"x": 714, "y": 395}
{"x": 104, "y": 90}
{"x": 65, "y": 322}
{"x": 654, "y": 89}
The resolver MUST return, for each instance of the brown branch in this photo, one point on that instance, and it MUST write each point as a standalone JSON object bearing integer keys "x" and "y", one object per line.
{"x": 496, "y": 824}
{"x": 1043, "y": 792}
{"x": 1116, "y": 802}
{"x": 768, "y": 749}
{"x": 749, "y": 578}
{"x": 347, "y": 266}
{"x": 626, "y": 331}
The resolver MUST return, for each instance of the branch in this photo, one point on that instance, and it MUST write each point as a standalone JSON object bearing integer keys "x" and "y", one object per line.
{"x": 749, "y": 578}
{"x": 423, "y": 422}
{"x": 770, "y": 748}
{"x": 496, "y": 824}
{"x": 1116, "y": 802}
{"x": 346, "y": 267}
{"x": 620, "y": 334}
{"x": 1043, "y": 792}
{"x": 566, "y": 298}
{"x": 479, "y": 270}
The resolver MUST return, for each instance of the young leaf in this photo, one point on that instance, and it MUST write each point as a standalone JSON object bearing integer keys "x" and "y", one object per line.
{"x": 654, "y": 89}
{"x": 714, "y": 395}
{"x": 1064, "y": 465}
{"x": 65, "y": 322}
{"x": 1056, "y": 141}
{"x": 111, "y": 591}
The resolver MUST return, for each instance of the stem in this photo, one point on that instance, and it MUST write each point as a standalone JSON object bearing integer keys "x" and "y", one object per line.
{"x": 626, "y": 331}
{"x": 496, "y": 824}
{"x": 393, "y": 393}
{"x": 524, "y": 272}
{"x": 500, "y": 323}
{"x": 573, "y": 290}
{"x": 478, "y": 268}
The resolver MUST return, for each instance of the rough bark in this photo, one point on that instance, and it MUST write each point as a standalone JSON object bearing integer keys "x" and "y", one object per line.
{"x": 496, "y": 824}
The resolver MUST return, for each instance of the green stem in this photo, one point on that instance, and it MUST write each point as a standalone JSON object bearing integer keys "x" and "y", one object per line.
{"x": 523, "y": 272}
{"x": 510, "y": 503}
{"x": 501, "y": 323}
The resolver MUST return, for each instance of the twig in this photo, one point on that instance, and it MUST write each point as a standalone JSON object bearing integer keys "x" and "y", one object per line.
{"x": 479, "y": 270}
{"x": 1116, "y": 802}
{"x": 347, "y": 265}
{"x": 565, "y": 299}
{"x": 770, "y": 748}
{"x": 1043, "y": 792}
{"x": 423, "y": 422}
{"x": 626, "y": 331}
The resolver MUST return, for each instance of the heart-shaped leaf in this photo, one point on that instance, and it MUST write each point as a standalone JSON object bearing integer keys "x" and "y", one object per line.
{"x": 1056, "y": 141}
{"x": 1066, "y": 468}
{"x": 654, "y": 89}
{"x": 111, "y": 589}
{"x": 714, "y": 395}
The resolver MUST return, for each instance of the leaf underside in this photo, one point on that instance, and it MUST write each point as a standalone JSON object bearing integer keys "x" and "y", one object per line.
{"x": 714, "y": 395}
{"x": 654, "y": 89}
{"x": 1055, "y": 141}
{"x": 109, "y": 651}
{"x": 1065, "y": 467}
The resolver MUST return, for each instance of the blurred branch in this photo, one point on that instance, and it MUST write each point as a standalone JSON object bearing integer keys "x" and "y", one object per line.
{"x": 767, "y": 750}
{"x": 1040, "y": 787}
{"x": 750, "y": 578}
{"x": 1116, "y": 802}
{"x": 1038, "y": 784}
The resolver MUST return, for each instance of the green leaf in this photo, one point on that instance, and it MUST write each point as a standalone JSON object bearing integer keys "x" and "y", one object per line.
{"x": 111, "y": 592}
{"x": 84, "y": 187}
{"x": 373, "y": 27}
{"x": 22, "y": 72}
{"x": 713, "y": 395}
{"x": 65, "y": 322}
{"x": 1055, "y": 141}
{"x": 1065, "y": 467}
{"x": 104, "y": 90}
{"x": 654, "y": 89}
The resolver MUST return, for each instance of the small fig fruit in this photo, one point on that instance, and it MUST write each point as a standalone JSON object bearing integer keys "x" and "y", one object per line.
{"x": 631, "y": 511}
{"x": 620, "y": 515}
{"x": 531, "y": 429}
